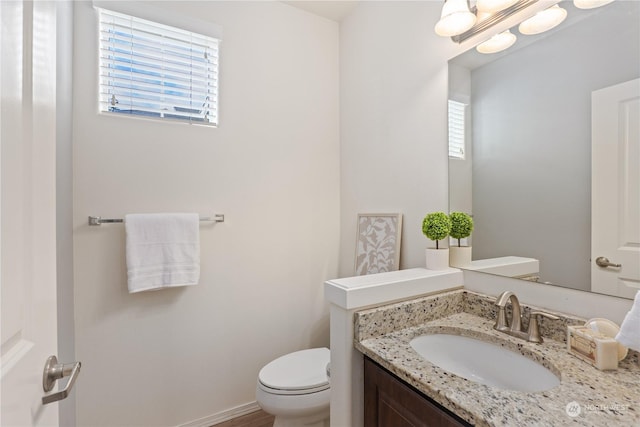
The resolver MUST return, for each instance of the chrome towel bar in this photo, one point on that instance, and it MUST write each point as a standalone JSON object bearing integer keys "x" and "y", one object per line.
{"x": 97, "y": 220}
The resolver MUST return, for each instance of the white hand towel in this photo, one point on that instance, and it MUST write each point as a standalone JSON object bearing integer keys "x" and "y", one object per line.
{"x": 629, "y": 334}
{"x": 163, "y": 250}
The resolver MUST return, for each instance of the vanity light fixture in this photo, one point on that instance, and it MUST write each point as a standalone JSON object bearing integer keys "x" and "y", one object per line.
{"x": 543, "y": 20}
{"x": 456, "y": 18}
{"x": 497, "y": 43}
{"x": 460, "y": 22}
{"x": 590, "y": 4}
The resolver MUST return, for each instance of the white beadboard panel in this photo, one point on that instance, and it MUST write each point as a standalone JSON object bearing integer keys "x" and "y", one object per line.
{"x": 382, "y": 288}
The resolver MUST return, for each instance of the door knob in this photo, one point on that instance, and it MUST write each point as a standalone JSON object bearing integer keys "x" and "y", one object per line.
{"x": 604, "y": 262}
{"x": 52, "y": 372}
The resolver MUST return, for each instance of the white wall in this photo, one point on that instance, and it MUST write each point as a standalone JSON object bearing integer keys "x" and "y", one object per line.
{"x": 393, "y": 120}
{"x": 272, "y": 167}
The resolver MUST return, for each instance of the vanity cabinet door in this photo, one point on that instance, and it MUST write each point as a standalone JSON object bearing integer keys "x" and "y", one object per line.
{"x": 388, "y": 402}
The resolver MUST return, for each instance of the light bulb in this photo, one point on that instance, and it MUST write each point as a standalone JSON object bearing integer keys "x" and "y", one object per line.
{"x": 493, "y": 6}
{"x": 543, "y": 20}
{"x": 590, "y": 4}
{"x": 497, "y": 43}
{"x": 456, "y": 18}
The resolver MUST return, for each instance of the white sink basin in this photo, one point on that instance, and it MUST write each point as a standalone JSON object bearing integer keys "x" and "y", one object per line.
{"x": 484, "y": 363}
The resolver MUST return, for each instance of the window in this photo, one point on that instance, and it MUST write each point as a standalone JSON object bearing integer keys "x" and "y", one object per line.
{"x": 456, "y": 129}
{"x": 154, "y": 70}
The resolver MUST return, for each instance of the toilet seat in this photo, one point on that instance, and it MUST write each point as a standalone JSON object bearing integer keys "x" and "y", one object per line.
{"x": 298, "y": 373}
{"x": 297, "y": 392}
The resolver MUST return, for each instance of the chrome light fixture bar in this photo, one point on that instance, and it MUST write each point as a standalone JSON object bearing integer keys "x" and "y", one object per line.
{"x": 492, "y": 20}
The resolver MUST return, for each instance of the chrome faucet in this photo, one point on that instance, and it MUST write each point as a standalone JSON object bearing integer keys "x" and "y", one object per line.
{"x": 515, "y": 327}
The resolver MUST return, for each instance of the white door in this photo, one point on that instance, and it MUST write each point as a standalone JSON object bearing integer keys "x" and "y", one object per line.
{"x": 615, "y": 198}
{"x": 27, "y": 209}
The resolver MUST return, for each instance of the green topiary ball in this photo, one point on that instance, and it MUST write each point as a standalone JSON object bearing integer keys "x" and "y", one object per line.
{"x": 436, "y": 226}
{"x": 461, "y": 225}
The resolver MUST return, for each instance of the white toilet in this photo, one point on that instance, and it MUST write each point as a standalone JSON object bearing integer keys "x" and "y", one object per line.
{"x": 295, "y": 388}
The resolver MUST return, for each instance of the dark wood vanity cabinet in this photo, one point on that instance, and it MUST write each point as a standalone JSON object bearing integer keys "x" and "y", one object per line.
{"x": 389, "y": 402}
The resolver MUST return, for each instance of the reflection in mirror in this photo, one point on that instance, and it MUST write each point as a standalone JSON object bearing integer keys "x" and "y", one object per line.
{"x": 526, "y": 172}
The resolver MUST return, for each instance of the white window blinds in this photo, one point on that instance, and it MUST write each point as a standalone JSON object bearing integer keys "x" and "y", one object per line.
{"x": 456, "y": 129}
{"x": 154, "y": 70}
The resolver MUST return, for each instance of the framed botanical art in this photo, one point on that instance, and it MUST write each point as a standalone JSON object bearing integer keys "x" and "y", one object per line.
{"x": 378, "y": 243}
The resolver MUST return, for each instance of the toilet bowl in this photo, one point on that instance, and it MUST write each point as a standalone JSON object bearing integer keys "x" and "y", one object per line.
{"x": 295, "y": 389}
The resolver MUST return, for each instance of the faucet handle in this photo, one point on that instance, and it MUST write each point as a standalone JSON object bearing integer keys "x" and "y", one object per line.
{"x": 502, "y": 324}
{"x": 534, "y": 329}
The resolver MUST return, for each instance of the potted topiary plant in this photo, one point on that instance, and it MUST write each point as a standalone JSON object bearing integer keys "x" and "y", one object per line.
{"x": 436, "y": 226}
{"x": 461, "y": 228}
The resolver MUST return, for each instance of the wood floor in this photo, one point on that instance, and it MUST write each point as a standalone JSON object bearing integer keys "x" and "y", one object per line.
{"x": 254, "y": 419}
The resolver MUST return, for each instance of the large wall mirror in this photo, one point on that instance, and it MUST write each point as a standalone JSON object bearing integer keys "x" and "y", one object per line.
{"x": 526, "y": 176}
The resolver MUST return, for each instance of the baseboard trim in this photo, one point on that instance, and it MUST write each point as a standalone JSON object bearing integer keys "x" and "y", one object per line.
{"x": 223, "y": 416}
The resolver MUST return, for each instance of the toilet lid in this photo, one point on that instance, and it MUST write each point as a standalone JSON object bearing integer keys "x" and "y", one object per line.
{"x": 302, "y": 370}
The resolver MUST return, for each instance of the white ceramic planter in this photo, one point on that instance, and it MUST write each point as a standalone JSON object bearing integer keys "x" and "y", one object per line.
{"x": 459, "y": 256}
{"x": 437, "y": 259}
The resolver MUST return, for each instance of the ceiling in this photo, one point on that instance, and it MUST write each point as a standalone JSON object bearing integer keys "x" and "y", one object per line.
{"x": 330, "y": 9}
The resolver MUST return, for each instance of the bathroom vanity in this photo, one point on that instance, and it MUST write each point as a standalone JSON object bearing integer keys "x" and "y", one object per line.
{"x": 388, "y": 401}
{"x": 404, "y": 388}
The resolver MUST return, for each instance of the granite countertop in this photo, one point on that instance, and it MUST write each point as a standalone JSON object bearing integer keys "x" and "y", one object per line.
{"x": 606, "y": 398}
